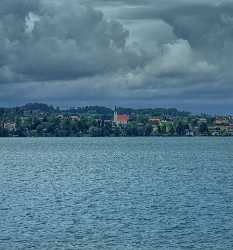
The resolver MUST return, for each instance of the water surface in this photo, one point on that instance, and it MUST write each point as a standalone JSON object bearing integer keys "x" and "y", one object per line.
{"x": 116, "y": 193}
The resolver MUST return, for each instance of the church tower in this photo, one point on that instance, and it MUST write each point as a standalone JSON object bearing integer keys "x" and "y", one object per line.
{"x": 115, "y": 114}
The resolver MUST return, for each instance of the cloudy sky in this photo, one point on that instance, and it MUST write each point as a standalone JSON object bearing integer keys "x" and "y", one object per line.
{"x": 136, "y": 53}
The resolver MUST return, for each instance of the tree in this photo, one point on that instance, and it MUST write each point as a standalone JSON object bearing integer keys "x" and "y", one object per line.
{"x": 180, "y": 129}
{"x": 131, "y": 129}
{"x": 95, "y": 131}
{"x": 4, "y": 132}
{"x": 148, "y": 129}
{"x": 203, "y": 128}
{"x": 171, "y": 130}
{"x": 162, "y": 129}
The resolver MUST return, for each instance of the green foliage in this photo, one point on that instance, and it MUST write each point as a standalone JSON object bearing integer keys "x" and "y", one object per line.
{"x": 203, "y": 128}
{"x": 37, "y": 119}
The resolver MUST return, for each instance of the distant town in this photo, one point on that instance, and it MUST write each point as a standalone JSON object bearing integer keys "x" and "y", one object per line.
{"x": 41, "y": 120}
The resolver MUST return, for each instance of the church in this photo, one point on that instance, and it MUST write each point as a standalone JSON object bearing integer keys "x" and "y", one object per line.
{"x": 120, "y": 119}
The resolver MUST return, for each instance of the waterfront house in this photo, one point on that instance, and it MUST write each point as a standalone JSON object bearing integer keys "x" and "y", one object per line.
{"x": 214, "y": 130}
{"x": 229, "y": 130}
{"x": 189, "y": 132}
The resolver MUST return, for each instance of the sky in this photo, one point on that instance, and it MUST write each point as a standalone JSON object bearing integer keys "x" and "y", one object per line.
{"x": 134, "y": 53}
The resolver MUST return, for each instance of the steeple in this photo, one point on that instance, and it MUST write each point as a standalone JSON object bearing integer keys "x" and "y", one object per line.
{"x": 115, "y": 114}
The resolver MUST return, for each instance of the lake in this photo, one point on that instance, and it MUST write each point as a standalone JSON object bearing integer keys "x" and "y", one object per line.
{"x": 116, "y": 193}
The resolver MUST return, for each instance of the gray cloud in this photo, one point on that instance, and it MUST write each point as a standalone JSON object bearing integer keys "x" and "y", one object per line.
{"x": 65, "y": 41}
{"x": 116, "y": 51}
{"x": 206, "y": 26}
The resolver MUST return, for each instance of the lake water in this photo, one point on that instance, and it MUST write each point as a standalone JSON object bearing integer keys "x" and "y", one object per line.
{"x": 116, "y": 193}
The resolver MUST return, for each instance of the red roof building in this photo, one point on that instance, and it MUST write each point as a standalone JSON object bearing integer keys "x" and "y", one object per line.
{"x": 120, "y": 119}
{"x": 155, "y": 121}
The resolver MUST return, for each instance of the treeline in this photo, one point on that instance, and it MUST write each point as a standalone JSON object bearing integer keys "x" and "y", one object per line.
{"x": 35, "y": 119}
{"x": 40, "y": 107}
{"x": 56, "y": 127}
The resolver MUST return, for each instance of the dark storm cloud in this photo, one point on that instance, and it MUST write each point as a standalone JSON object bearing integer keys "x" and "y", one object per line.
{"x": 209, "y": 30}
{"x": 205, "y": 32}
{"x": 18, "y": 7}
{"x": 55, "y": 42}
{"x": 207, "y": 26}
{"x": 204, "y": 26}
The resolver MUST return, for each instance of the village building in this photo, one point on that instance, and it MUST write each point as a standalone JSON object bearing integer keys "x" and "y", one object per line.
{"x": 120, "y": 119}
{"x": 10, "y": 126}
{"x": 221, "y": 121}
{"x": 189, "y": 132}
{"x": 214, "y": 130}
{"x": 202, "y": 120}
{"x": 155, "y": 121}
{"x": 60, "y": 117}
{"x": 229, "y": 130}
{"x": 75, "y": 118}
